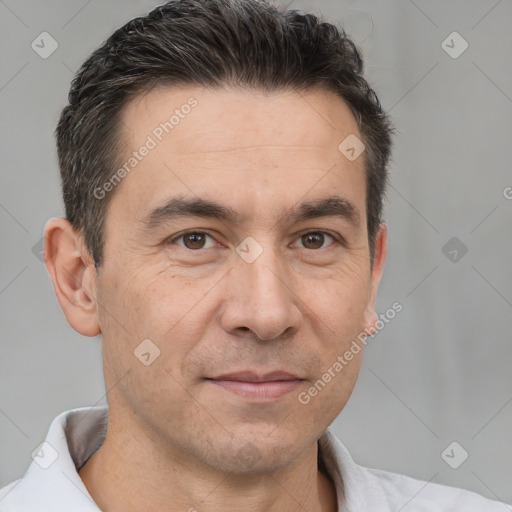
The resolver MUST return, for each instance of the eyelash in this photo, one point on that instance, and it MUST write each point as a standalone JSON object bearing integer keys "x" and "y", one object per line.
{"x": 336, "y": 239}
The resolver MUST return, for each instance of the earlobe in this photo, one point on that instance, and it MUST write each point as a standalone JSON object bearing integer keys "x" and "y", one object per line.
{"x": 370, "y": 316}
{"x": 73, "y": 275}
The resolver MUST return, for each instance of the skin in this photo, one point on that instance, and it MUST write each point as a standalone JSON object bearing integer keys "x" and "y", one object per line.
{"x": 175, "y": 440}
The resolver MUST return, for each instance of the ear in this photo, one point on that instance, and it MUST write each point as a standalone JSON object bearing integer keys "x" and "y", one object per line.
{"x": 73, "y": 275}
{"x": 378, "y": 265}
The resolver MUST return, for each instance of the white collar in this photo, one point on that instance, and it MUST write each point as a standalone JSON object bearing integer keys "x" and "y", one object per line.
{"x": 75, "y": 435}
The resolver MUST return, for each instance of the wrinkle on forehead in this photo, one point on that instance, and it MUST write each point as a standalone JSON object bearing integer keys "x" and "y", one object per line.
{"x": 291, "y": 147}
{"x": 324, "y": 113}
{"x": 243, "y": 131}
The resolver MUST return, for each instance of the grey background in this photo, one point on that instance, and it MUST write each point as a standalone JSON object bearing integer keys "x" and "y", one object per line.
{"x": 441, "y": 370}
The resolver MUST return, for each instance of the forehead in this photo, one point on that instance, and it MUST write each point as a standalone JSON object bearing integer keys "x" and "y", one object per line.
{"x": 312, "y": 118}
{"x": 242, "y": 147}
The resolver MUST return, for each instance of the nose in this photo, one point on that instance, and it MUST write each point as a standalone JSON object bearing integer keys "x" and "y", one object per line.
{"x": 260, "y": 298}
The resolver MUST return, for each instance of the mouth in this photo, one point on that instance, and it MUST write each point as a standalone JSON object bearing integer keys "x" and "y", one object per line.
{"x": 255, "y": 386}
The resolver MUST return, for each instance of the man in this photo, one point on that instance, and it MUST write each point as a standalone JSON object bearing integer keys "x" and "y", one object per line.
{"x": 223, "y": 167}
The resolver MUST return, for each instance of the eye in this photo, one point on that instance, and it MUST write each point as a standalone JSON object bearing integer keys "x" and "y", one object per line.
{"x": 193, "y": 240}
{"x": 315, "y": 239}
{"x": 197, "y": 240}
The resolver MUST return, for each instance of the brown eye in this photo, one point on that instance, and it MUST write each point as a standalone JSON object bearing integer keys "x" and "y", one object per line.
{"x": 194, "y": 240}
{"x": 315, "y": 240}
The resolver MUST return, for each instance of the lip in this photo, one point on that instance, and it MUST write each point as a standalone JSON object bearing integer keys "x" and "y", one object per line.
{"x": 251, "y": 376}
{"x": 258, "y": 387}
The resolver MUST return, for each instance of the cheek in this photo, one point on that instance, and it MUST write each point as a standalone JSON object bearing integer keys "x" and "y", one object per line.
{"x": 143, "y": 293}
{"x": 339, "y": 300}
{"x": 339, "y": 304}
{"x": 322, "y": 401}
{"x": 127, "y": 313}
{"x": 160, "y": 305}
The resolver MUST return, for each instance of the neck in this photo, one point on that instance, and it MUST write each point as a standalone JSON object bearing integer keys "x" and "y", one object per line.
{"x": 130, "y": 472}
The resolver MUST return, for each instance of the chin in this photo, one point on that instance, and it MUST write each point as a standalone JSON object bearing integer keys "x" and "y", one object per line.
{"x": 252, "y": 455}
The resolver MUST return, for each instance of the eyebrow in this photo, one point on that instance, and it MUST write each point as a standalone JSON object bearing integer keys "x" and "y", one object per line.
{"x": 182, "y": 207}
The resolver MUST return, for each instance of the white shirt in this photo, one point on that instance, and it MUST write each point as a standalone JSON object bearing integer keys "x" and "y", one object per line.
{"x": 52, "y": 482}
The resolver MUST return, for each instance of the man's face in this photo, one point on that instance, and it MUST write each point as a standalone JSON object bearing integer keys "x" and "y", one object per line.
{"x": 202, "y": 299}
